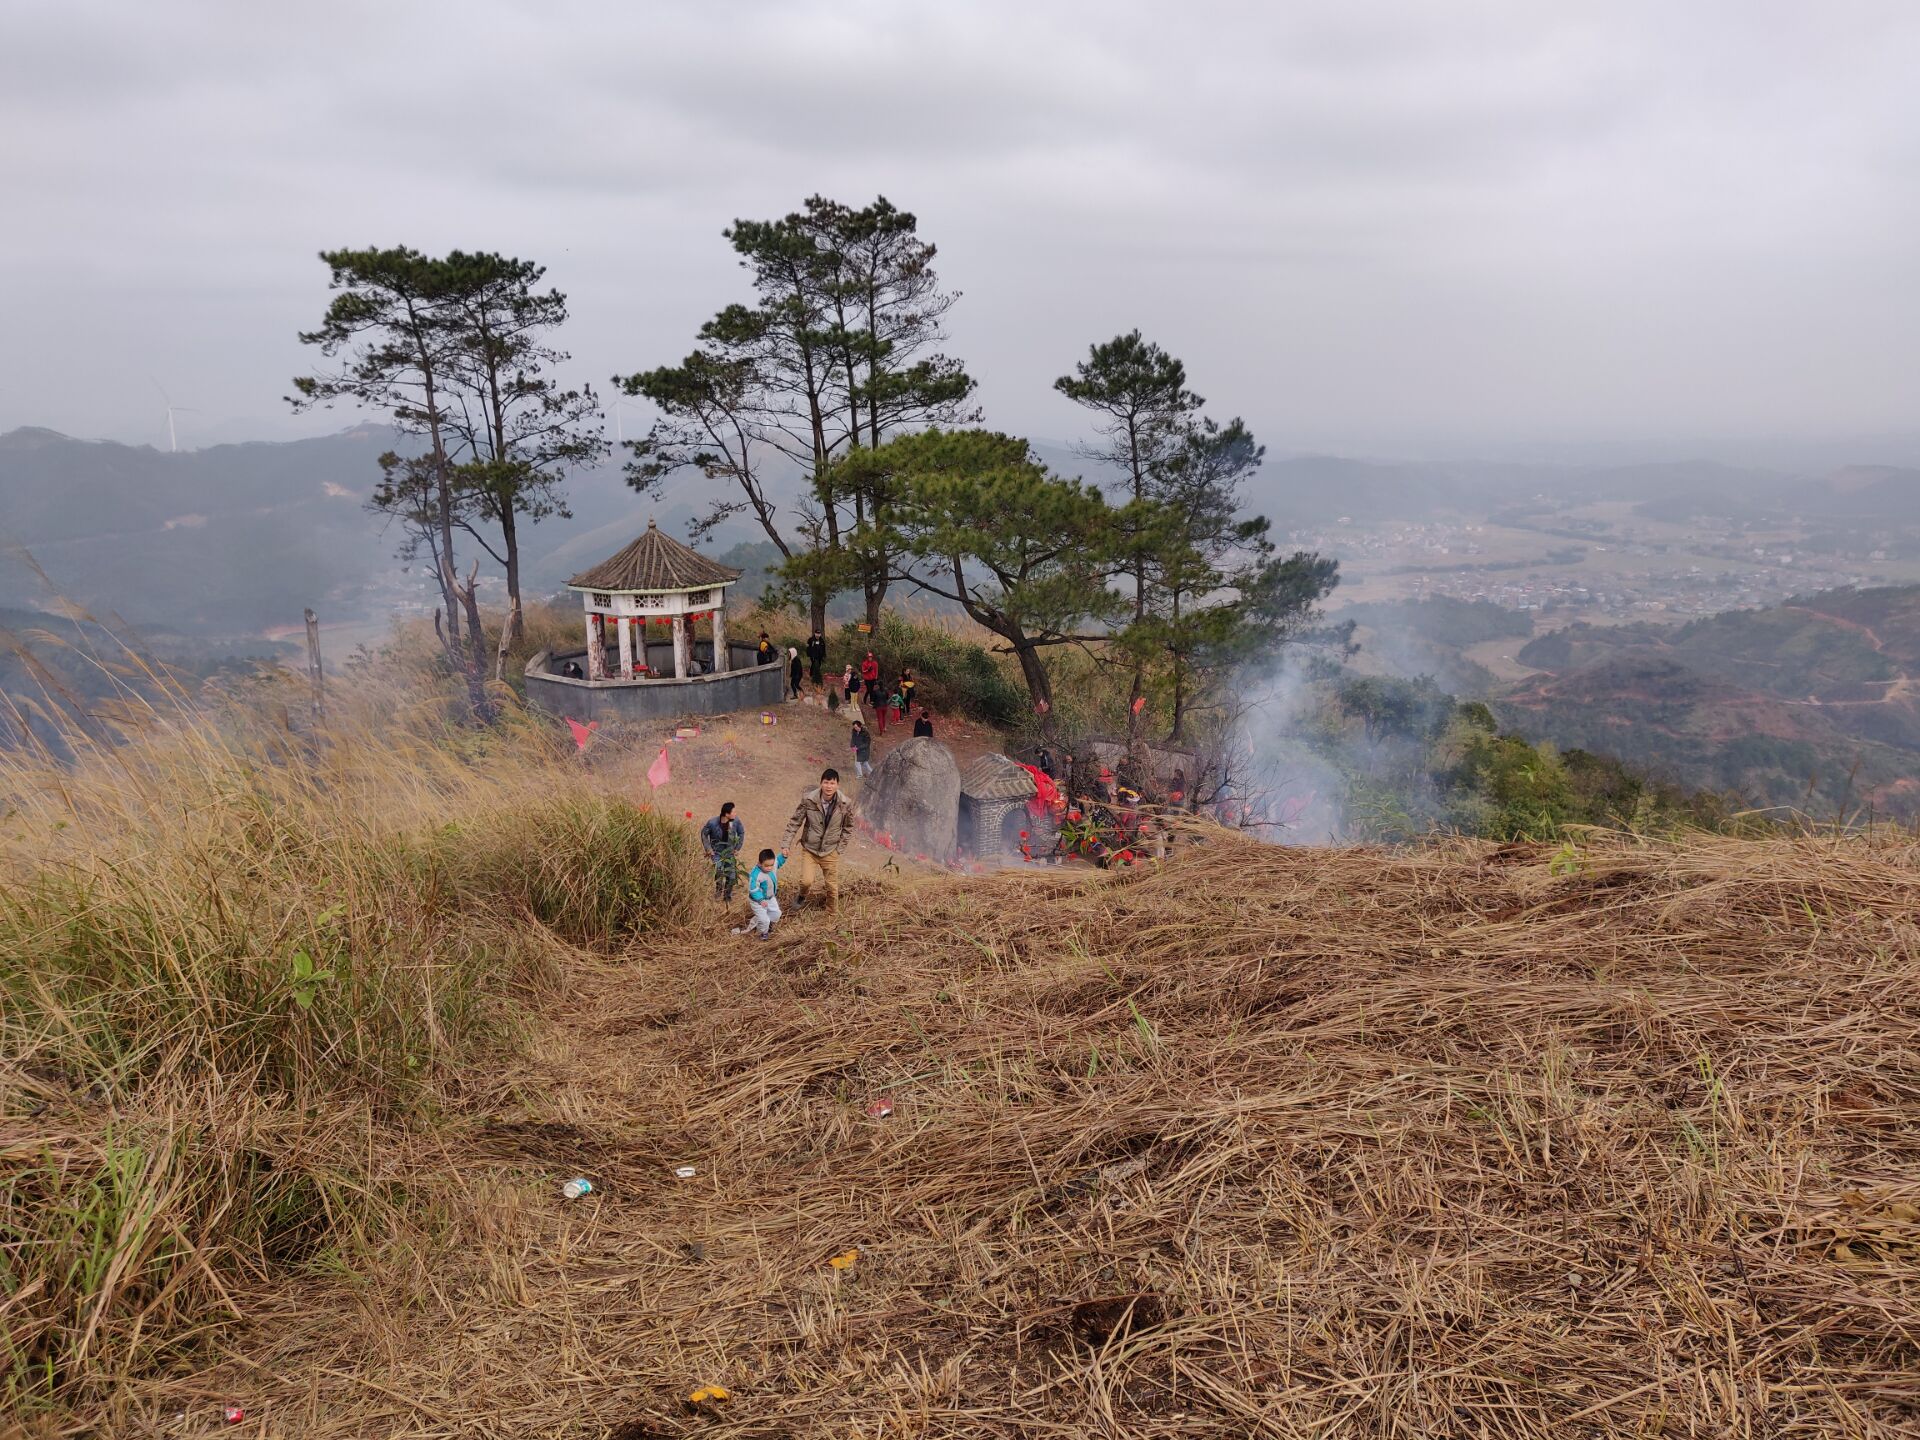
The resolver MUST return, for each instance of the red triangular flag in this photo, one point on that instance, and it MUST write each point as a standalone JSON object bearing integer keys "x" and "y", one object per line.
{"x": 582, "y": 733}
{"x": 657, "y": 773}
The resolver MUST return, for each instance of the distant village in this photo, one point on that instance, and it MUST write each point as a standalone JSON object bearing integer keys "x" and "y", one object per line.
{"x": 1590, "y": 577}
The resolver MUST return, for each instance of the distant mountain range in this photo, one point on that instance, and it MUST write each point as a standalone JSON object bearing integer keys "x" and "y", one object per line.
{"x": 238, "y": 539}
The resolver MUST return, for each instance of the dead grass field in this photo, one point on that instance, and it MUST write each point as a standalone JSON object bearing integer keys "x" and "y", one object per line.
{"x": 1263, "y": 1142}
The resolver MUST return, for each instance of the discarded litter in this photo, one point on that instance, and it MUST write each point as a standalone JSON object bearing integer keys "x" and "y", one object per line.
{"x": 709, "y": 1394}
{"x": 845, "y": 1261}
{"x": 685, "y": 1172}
{"x": 880, "y": 1109}
{"x": 232, "y": 1414}
{"x": 577, "y": 1187}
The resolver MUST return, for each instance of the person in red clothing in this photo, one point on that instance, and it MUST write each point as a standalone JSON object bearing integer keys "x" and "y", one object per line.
{"x": 870, "y": 677}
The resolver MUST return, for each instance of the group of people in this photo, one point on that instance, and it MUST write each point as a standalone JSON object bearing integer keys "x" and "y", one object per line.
{"x": 766, "y": 653}
{"x": 822, "y": 824}
{"x": 891, "y": 705}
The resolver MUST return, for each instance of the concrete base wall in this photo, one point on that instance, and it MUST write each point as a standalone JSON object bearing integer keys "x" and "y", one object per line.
{"x": 748, "y": 687}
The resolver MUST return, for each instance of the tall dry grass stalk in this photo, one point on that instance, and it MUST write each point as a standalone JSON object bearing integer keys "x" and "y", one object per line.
{"x": 241, "y": 969}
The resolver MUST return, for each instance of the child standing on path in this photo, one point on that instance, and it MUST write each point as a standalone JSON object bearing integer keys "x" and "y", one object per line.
{"x": 763, "y": 893}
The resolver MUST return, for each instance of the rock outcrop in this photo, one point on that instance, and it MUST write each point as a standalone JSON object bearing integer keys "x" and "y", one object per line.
{"x": 913, "y": 799}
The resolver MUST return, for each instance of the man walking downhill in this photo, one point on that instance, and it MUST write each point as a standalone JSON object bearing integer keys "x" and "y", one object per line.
{"x": 721, "y": 839}
{"x": 816, "y": 655}
{"x": 823, "y": 822}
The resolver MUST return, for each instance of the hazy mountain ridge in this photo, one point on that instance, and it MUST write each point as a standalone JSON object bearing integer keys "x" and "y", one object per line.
{"x": 1816, "y": 697}
{"x": 238, "y": 539}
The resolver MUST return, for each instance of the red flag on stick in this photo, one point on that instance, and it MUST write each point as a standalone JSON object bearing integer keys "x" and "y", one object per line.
{"x": 659, "y": 773}
{"x": 582, "y": 733}
{"x": 1139, "y": 704}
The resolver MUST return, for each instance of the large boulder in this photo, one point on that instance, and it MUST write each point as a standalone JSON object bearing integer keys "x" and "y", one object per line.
{"x": 913, "y": 798}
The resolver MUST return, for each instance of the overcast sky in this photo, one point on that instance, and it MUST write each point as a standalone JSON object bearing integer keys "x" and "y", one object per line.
{"x": 1374, "y": 227}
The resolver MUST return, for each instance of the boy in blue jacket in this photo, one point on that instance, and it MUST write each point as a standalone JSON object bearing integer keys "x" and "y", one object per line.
{"x": 763, "y": 893}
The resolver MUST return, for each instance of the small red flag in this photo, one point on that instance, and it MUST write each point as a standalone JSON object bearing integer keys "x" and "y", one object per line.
{"x": 582, "y": 733}
{"x": 1140, "y": 704}
{"x": 659, "y": 773}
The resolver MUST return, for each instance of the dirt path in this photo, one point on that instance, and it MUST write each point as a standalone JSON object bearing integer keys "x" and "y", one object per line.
{"x": 765, "y": 769}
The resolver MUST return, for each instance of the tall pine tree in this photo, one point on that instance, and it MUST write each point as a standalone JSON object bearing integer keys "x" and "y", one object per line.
{"x": 836, "y": 351}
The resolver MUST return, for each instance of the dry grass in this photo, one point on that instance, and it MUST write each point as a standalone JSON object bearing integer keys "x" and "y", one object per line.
{"x": 243, "y": 970}
{"x": 1261, "y": 1142}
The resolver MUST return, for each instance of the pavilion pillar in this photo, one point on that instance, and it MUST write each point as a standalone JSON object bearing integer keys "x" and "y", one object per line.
{"x": 681, "y": 630}
{"x": 720, "y": 633}
{"x": 626, "y": 647}
{"x": 596, "y": 647}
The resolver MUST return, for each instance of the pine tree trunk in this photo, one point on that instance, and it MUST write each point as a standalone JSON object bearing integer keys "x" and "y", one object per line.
{"x": 515, "y": 627}
{"x": 1135, "y": 710}
{"x": 477, "y": 640}
{"x": 1039, "y": 684}
{"x": 443, "y": 499}
{"x": 1178, "y": 733}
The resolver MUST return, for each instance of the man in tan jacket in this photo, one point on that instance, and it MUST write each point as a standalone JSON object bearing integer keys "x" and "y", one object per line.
{"x": 823, "y": 821}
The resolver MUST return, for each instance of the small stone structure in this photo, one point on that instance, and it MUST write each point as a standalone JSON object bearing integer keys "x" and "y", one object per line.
{"x": 656, "y": 581}
{"x": 994, "y": 792}
{"x": 913, "y": 798}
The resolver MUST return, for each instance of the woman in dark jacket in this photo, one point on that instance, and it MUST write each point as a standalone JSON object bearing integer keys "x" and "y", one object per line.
{"x": 793, "y": 673}
{"x": 862, "y": 743}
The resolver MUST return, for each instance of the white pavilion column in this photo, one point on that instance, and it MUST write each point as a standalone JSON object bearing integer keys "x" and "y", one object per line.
{"x": 681, "y": 636}
{"x": 596, "y": 649}
{"x": 626, "y": 646}
{"x": 720, "y": 633}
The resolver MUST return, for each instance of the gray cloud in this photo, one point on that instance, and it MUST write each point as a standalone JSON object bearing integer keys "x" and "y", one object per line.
{"x": 1363, "y": 226}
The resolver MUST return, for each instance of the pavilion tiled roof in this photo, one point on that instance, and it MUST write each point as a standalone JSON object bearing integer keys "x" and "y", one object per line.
{"x": 656, "y": 561}
{"x": 995, "y": 777}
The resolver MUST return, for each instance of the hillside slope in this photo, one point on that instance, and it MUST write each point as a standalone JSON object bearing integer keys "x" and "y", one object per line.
{"x": 1459, "y": 1141}
{"x": 1652, "y": 710}
{"x": 1781, "y": 702}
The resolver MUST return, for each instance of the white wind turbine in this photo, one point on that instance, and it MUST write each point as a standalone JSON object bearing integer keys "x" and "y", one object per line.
{"x": 619, "y": 426}
{"x": 173, "y": 439}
